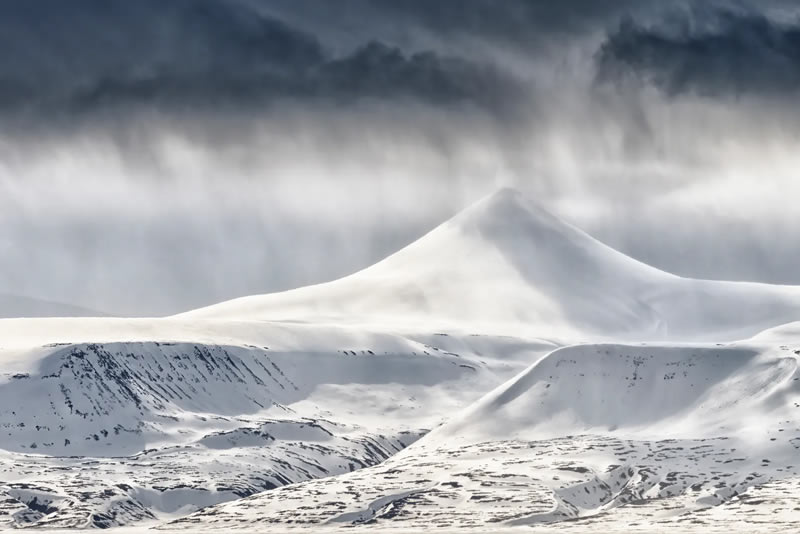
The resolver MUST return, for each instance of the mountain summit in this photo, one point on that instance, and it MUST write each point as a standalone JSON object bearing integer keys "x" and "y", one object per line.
{"x": 507, "y": 264}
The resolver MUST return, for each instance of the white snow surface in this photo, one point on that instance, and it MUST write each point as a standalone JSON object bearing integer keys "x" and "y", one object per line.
{"x": 636, "y": 437}
{"x": 562, "y": 379}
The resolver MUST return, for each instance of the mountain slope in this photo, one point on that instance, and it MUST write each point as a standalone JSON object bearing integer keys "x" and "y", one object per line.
{"x": 505, "y": 264}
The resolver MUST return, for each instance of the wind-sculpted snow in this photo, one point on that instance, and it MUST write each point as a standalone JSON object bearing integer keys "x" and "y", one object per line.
{"x": 613, "y": 434}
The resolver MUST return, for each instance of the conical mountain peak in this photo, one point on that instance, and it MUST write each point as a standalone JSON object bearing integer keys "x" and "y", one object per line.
{"x": 507, "y": 264}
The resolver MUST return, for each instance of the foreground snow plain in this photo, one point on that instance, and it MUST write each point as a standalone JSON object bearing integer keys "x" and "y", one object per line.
{"x": 505, "y": 371}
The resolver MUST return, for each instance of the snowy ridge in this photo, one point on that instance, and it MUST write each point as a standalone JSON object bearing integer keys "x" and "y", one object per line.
{"x": 693, "y": 390}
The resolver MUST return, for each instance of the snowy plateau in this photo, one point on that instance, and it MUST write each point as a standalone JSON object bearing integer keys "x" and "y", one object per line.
{"x": 505, "y": 372}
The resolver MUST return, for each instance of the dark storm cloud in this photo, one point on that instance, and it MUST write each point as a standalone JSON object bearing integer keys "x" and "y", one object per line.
{"x": 53, "y": 51}
{"x": 708, "y": 51}
{"x": 516, "y": 22}
{"x": 92, "y": 55}
{"x": 380, "y": 70}
{"x": 87, "y": 55}
{"x": 375, "y": 70}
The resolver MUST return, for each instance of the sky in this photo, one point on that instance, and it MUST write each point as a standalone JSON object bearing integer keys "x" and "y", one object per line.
{"x": 157, "y": 156}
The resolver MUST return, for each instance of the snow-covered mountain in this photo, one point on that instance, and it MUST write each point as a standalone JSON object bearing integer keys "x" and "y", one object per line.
{"x": 507, "y": 265}
{"x": 327, "y": 390}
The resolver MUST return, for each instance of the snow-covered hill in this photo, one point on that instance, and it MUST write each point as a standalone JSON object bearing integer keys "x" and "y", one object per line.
{"x": 507, "y": 265}
{"x": 107, "y": 422}
{"x": 699, "y": 436}
{"x": 110, "y": 433}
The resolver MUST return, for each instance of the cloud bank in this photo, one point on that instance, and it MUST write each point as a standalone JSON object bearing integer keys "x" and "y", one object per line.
{"x": 711, "y": 52}
{"x": 191, "y": 55}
